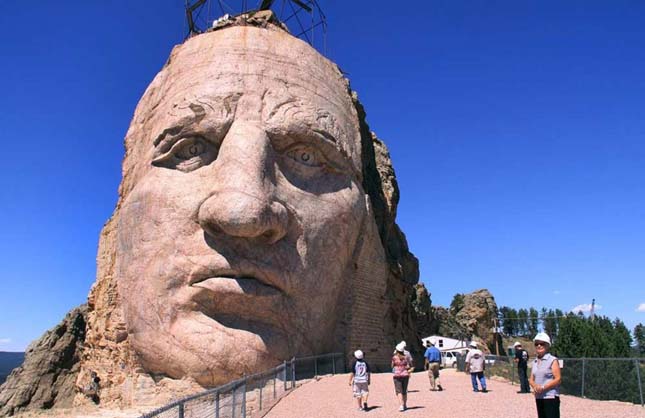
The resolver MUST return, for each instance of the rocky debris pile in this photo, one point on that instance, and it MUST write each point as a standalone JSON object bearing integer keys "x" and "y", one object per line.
{"x": 47, "y": 377}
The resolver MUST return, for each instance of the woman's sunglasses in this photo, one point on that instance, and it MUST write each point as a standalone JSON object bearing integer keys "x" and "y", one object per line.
{"x": 540, "y": 344}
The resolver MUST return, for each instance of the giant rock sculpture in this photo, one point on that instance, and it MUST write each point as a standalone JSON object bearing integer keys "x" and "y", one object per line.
{"x": 255, "y": 222}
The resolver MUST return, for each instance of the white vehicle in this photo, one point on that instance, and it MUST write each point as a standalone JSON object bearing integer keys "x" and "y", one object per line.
{"x": 449, "y": 358}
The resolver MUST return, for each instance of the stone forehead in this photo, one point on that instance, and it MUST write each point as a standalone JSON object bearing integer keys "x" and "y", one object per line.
{"x": 269, "y": 64}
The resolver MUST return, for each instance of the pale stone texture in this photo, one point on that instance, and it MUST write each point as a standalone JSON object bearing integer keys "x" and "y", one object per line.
{"x": 255, "y": 222}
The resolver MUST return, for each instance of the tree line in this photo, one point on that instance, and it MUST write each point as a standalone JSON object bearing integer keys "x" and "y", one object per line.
{"x": 574, "y": 335}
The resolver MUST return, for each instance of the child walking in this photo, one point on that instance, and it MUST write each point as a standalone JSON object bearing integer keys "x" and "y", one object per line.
{"x": 359, "y": 379}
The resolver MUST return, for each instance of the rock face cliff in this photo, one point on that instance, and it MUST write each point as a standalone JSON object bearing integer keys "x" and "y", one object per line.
{"x": 48, "y": 374}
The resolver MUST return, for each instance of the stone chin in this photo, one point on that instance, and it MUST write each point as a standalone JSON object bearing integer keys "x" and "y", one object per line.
{"x": 243, "y": 211}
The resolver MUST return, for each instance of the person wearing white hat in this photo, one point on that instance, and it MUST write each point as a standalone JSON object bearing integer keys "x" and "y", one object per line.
{"x": 545, "y": 378}
{"x": 402, "y": 368}
{"x": 359, "y": 379}
{"x": 521, "y": 359}
{"x": 475, "y": 364}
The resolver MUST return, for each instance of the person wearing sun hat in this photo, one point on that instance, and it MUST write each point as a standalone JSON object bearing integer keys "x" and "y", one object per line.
{"x": 359, "y": 379}
{"x": 476, "y": 364}
{"x": 545, "y": 378}
{"x": 402, "y": 368}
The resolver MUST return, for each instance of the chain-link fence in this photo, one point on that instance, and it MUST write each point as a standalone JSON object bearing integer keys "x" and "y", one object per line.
{"x": 243, "y": 397}
{"x": 619, "y": 379}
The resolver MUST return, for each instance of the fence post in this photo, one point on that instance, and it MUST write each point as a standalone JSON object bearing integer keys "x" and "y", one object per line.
{"x": 275, "y": 377}
{"x": 181, "y": 410}
{"x": 333, "y": 364}
{"x": 284, "y": 365}
{"x": 637, "y": 363}
{"x": 316, "y": 366}
{"x": 217, "y": 404}
{"x": 510, "y": 363}
{"x": 233, "y": 403}
{"x": 260, "y": 407}
{"x": 582, "y": 391}
{"x": 244, "y": 398}
{"x": 293, "y": 372}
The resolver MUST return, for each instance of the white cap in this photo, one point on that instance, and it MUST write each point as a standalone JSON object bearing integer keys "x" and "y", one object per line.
{"x": 400, "y": 346}
{"x": 404, "y": 343}
{"x": 473, "y": 344}
{"x": 358, "y": 354}
{"x": 542, "y": 336}
{"x": 517, "y": 343}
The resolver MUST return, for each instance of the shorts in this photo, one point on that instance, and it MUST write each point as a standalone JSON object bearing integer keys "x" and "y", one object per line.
{"x": 401, "y": 385}
{"x": 360, "y": 389}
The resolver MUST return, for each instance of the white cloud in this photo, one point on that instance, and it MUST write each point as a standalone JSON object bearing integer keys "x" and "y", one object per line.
{"x": 641, "y": 308}
{"x": 585, "y": 307}
{"x": 5, "y": 340}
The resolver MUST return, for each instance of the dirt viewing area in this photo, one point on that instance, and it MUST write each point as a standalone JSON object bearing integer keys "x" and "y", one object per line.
{"x": 331, "y": 397}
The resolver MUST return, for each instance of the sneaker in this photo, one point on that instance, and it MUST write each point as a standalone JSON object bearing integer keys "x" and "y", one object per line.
{"x": 485, "y": 390}
{"x": 365, "y": 406}
{"x": 360, "y": 409}
{"x": 440, "y": 388}
{"x": 475, "y": 390}
{"x": 401, "y": 408}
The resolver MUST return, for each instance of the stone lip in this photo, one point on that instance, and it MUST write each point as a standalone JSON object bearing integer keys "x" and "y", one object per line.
{"x": 47, "y": 377}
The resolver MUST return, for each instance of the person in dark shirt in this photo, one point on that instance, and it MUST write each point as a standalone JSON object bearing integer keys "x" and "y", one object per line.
{"x": 521, "y": 359}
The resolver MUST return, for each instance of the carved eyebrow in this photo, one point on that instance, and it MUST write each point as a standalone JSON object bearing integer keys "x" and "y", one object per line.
{"x": 325, "y": 134}
{"x": 173, "y": 130}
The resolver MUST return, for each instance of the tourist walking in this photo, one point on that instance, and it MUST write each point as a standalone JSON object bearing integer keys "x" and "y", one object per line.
{"x": 359, "y": 379}
{"x": 545, "y": 378}
{"x": 521, "y": 359}
{"x": 432, "y": 364}
{"x": 401, "y": 367}
{"x": 475, "y": 364}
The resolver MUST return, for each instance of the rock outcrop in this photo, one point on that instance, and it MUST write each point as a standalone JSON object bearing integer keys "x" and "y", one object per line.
{"x": 48, "y": 374}
{"x": 476, "y": 314}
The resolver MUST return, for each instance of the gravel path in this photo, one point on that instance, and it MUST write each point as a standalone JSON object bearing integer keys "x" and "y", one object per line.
{"x": 331, "y": 397}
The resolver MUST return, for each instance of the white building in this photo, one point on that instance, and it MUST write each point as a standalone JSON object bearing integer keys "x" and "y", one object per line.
{"x": 445, "y": 343}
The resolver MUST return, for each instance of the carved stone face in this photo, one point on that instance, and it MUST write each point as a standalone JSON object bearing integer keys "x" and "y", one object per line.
{"x": 244, "y": 208}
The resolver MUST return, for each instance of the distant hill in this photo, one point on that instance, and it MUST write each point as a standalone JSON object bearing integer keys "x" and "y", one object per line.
{"x": 8, "y": 362}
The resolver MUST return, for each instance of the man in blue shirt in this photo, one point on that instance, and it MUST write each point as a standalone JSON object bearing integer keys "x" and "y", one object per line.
{"x": 432, "y": 364}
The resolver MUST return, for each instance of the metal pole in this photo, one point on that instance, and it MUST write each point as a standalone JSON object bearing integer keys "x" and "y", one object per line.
{"x": 293, "y": 372}
{"x": 284, "y": 365}
{"x": 233, "y": 404}
{"x": 261, "y": 397}
{"x": 315, "y": 366}
{"x": 333, "y": 364}
{"x": 217, "y": 404}
{"x": 181, "y": 410}
{"x": 274, "y": 383}
{"x": 640, "y": 385}
{"x": 582, "y": 391}
{"x": 244, "y": 399}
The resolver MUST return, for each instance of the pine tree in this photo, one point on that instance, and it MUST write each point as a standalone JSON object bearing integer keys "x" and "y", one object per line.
{"x": 533, "y": 322}
{"x": 639, "y": 336}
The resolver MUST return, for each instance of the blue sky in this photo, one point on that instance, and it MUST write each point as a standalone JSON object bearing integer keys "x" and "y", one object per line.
{"x": 516, "y": 130}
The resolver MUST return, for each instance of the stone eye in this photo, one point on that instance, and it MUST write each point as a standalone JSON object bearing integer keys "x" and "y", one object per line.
{"x": 188, "y": 154}
{"x": 305, "y": 155}
{"x": 191, "y": 148}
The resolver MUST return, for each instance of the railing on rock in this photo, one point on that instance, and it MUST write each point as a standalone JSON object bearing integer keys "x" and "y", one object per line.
{"x": 606, "y": 378}
{"x": 241, "y": 397}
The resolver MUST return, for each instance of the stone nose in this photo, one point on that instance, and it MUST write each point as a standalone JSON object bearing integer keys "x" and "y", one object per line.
{"x": 243, "y": 202}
